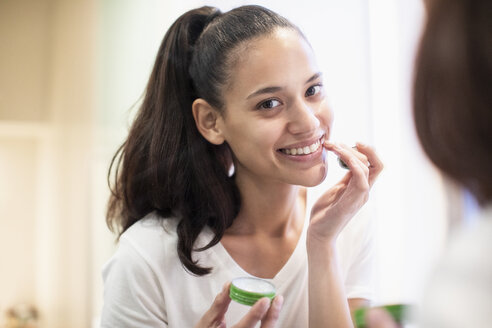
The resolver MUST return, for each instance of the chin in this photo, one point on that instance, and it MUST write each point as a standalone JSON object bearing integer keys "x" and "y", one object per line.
{"x": 315, "y": 178}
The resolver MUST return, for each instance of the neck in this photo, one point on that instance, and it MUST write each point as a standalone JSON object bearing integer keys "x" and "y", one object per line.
{"x": 268, "y": 208}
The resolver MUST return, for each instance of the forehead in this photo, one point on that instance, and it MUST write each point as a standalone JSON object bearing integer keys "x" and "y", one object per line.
{"x": 281, "y": 57}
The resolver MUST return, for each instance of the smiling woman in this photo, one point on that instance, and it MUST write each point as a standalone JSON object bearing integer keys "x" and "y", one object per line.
{"x": 278, "y": 104}
{"x": 241, "y": 89}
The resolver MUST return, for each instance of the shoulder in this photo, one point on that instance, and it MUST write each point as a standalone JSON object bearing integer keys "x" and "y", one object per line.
{"x": 460, "y": 279}
{"x": 153, "y": 239}
{"x": 152, "y": 225}
{"x": 147, "y": 246}
{"x": 358, "y": 234}
{"x": 469, "y": 246}
{"x": 135, "y": 276}
{"x": 356, "y": 254}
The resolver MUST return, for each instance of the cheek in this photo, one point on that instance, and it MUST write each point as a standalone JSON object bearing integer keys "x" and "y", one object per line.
{"x": 253, "y": 142}
{"x": 254, "y": 138}
{"x": 326, "y": 115}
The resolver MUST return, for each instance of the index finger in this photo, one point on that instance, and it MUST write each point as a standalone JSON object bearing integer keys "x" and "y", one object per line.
{"x": 217, "y": 310}
{"x": 376, "y": 166}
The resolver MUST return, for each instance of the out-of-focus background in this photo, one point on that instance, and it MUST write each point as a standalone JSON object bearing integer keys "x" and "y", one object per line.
{"x": 71, "y": 76}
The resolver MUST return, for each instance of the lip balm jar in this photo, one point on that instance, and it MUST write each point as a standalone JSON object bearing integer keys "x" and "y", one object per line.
{"x": 342, "y": 163}
{"x": 399, "y": 312}
{"x": 248, "y": 290}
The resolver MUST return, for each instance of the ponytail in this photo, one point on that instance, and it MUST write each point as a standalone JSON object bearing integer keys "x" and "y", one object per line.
{"x": 165, "y": 165}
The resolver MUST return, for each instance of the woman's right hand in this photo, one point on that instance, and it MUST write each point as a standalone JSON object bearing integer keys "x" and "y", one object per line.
{"x": 263, "y": 311}
{"x": 336, "y": 207}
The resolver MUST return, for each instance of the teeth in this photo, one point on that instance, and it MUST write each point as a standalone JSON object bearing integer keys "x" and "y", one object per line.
{"x": 304, "y": 150}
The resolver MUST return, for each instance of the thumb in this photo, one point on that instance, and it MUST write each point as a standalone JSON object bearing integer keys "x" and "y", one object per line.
{"x": 255, "y": 314}
{"x": 214, "y": 317}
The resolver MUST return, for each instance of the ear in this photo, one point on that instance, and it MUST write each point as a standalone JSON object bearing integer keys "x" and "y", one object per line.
{"x": 206, "y": 119}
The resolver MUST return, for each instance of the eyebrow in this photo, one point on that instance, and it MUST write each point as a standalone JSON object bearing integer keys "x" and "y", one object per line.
{"x": 276, "y": 88}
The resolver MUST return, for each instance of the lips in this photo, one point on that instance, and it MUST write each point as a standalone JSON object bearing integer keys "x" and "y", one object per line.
{"x": 303, "y": 149}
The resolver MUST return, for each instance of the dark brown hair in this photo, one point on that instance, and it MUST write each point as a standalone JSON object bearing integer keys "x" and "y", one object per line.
{"x": 165, "y": 165}
{"x": 452, "y": 99}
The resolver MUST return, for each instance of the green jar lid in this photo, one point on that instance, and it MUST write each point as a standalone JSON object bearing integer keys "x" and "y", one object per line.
{"x": 248, "y": 290}
{"x": 399, "y": 312}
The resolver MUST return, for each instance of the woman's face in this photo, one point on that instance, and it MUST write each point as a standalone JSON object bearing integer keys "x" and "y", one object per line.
{"x": 276, "y": 115}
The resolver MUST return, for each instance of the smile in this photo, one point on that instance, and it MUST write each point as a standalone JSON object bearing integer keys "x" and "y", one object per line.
{"x": 301, "y": 151}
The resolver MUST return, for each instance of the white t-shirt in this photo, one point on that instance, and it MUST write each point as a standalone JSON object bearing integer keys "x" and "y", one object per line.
{"x": 147, "y": 286}
{"x": 459, "y": 295}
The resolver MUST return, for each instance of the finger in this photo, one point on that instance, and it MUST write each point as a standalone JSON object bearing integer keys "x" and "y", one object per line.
{"x": 345, "y": 152}
{"x": 215, "y": 315}
{"x": 376, "y": 166}
{"x": 271, "y": 316}
{"x": 255, "y": 314}
{"x": 361, "y": 156}
{"x": 360, "y": 171}
{"x": 379, "y": 318}
{"x": 332, "y": 195}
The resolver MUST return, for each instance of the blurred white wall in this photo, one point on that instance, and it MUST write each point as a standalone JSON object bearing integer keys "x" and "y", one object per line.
{"x": 411, "y": 204}
{"x": 71, "y": 75}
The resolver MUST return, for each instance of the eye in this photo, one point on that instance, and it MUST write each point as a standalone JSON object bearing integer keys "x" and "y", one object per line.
{"x": 269, "y": 104}
{"x": 312, "y": 90}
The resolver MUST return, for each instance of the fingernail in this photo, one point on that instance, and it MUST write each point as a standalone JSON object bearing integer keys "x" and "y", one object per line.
{"x": 333, "y": 146}
{"x": 278, "y": 301}
{"x": 220, "y": 325}
{"x": 265, "y": 303}
{"x": 225, "y": 288}
{"x": 361, "y": 144}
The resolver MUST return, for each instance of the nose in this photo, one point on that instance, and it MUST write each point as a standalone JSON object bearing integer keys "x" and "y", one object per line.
{"x": 303, "y": 118}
